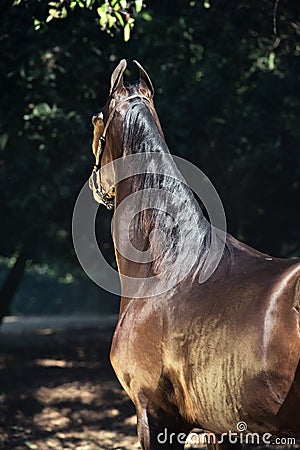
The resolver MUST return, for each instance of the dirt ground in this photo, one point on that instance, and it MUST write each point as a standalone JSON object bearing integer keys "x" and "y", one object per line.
{"x": 58, "y": 391}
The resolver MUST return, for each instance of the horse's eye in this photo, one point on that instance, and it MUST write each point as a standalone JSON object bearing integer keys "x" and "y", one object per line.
{"x": 96, "y": 117}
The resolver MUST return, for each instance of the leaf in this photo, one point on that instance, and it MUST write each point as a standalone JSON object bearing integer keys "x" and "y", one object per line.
{"x": 3, "y": 140}
{"x": 127, "y": 30}
{"x": 138, "y": 5}
{"x": 79, "y": 3}
{"x": 58, "y": 13}
{"x": 146, "y": 16}
{"x": 120, "y": 18}
{"x": 111, "y": 20}
{"x": 49, "y": 18}
{"x": 271, "y": 61}
{"x": 41, "y": 109}
{"x": 102, "y": 12}
{"x": 37, "y": 24}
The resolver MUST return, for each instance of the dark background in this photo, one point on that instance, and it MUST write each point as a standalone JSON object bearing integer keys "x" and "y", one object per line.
{"x": 226, "y": 75}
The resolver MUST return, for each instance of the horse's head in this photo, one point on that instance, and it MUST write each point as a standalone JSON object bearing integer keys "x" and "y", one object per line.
{"x": 108, "y": 129}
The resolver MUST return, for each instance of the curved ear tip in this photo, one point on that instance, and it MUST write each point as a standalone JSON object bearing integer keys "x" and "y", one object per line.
{"x": 144, "y": 77}
{"x": 136, "y": 62}
{"x": 123, "y": 62}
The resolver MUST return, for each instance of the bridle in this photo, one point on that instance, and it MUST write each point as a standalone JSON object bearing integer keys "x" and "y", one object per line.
{"x": 95, "y": 180}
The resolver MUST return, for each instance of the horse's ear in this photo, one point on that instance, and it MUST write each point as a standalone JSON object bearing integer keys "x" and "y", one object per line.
{"x": 144, "y": 82}
{"x": 116, "y": 80}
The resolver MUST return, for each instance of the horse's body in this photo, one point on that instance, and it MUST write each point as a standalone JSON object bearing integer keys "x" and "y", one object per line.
{"x": 201, "y": 355}
{"x": 217, "y": 354}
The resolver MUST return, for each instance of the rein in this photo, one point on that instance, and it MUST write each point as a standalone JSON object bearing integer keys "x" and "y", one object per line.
{"x": 96, "y": 174}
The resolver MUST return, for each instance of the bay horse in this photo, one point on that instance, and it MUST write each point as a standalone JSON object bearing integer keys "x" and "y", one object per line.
{"x": 207, "y": 355}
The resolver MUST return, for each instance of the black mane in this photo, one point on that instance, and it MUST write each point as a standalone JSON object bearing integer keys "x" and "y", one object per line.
{"x": 141, "y": 135}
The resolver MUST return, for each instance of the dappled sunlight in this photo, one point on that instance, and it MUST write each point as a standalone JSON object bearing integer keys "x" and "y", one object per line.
{"x": 50, "y": 419}
{"x": 59, "y": 392}
{"x": 74, "y": 392}
{"x": 45, "y": 331}
{"x": 63, "y": 363}
{"x": 79, "y": 416}
{"x": 53, "y": 363}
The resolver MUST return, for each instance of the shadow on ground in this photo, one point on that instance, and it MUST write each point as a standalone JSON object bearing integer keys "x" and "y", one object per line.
{"x": 58, "y": 390}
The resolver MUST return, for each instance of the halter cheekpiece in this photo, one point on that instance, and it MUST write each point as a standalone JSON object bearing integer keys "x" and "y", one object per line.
{"x": 96, "y": 174}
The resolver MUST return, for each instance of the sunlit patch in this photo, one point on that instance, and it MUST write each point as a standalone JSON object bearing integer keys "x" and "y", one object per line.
{"x": 53, "y": 363}
{"x": 131, "y": 421}
{"x": 50, "y": 419}
{"x": 78, "y": 393}
{"x": 114, "y": 412}
{"x": 45, "y": 331}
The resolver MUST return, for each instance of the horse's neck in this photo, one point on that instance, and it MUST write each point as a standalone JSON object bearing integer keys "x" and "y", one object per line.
{"x": 159, "y": 227}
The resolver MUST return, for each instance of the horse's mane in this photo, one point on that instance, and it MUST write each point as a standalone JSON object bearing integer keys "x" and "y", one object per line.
{"x": 141, "y": 134}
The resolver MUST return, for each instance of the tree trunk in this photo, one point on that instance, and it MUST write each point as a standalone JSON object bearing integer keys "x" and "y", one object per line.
{"x": 11, "y": 285}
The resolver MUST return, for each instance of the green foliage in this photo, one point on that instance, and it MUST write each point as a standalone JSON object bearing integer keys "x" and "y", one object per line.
{"x": 235, "y": 88}
{"x": 227, "y": 92}
{"x": 112, "y": 14}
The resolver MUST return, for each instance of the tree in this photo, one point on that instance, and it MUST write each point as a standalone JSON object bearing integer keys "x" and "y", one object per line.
{"x": 236, "y": 89}
{"x": 46, "y": 103}
{"x": 111, "y": 15}
{"x": 227, "y": 92}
